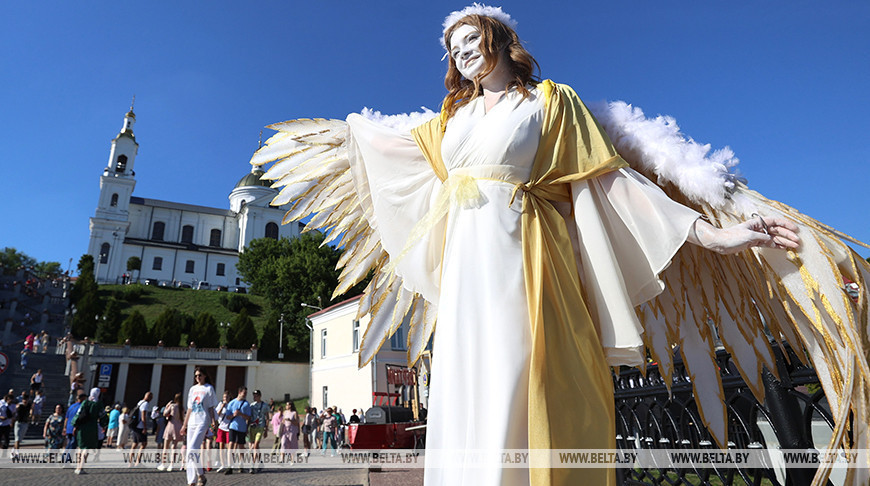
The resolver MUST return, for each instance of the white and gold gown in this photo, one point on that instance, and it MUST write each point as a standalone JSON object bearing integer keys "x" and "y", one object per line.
{"x": 480, "y": 372}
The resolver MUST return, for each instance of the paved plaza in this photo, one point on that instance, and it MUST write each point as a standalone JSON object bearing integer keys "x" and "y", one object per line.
{"x": 141, "y": 477}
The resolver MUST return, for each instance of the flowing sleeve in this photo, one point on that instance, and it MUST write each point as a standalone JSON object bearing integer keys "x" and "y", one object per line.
{"x": 628, "y": 231}
{"x": 396, "y": 186}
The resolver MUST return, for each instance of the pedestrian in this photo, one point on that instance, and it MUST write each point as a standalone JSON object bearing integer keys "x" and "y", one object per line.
{"x": 240, "y": 411}
{"x": 68, "y": 424}
{"x": 342, "y": 424}
{"x": 318, "y": 428}
{"x": 290, "y": 429}
{"x": 309, "y": 426}
{"x": 112, "y": 432}
{"x": 22, "y": 419}
{"x": 354, "y": 418}
{"x": 158, "y": 425}
{"x": 44, "y": 339}
{"x": 222, "y": 435}
{"x": 75, "y": 387}
{"x": 257, "y": 427}
{"x": 36, "y": 381}
{"x": 36, "y": 411}
{"x": 7, "y": 415}
{"x": 172, "y": 413}
{"x": 330, "y": 423}
{"x": 24, "y": 353}
{"x": 53, "y": 432}
{"x": 86, "y": 426}
{"x": 277, "y": 415}
{"x": 139, "y": 428}
{"x": 200, "y": 416}
{"x": 123, "y": 428}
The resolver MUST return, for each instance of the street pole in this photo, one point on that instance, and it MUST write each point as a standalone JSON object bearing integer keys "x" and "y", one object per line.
{"x": 281, "y": 338}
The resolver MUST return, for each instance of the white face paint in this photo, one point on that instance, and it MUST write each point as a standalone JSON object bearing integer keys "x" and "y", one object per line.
{"x": 465, "y": 51}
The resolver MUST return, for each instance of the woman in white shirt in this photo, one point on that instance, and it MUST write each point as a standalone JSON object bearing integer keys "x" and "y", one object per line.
{"x": 200, "y": 416}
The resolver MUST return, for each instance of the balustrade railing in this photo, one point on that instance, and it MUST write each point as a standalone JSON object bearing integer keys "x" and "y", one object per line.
{"x": 794, "y": 415}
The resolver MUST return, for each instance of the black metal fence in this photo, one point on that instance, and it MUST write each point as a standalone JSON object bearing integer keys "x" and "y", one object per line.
{"x": 647, "y": 417}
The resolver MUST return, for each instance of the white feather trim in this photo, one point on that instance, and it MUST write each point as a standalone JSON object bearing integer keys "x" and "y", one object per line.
{"x": 658, "y": 146}
{"x": 401, "y": 121}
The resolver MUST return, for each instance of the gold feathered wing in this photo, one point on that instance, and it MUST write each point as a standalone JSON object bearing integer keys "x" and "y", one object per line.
{"x": 798, "y": 295}
{"x": 310, "y": 167}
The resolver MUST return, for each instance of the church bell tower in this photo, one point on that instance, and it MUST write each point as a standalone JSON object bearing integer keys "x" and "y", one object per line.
{"x": 109, "y": 225}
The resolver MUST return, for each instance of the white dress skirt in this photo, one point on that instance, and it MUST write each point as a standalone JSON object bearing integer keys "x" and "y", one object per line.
{"x": 471, "y": 266}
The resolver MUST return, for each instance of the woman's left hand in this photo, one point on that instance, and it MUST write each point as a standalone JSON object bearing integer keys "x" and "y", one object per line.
{"x": 766, "y": 232}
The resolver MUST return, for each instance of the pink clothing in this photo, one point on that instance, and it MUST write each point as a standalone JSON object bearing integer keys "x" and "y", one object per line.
{"x": 289, "y": 431}
{"x": 172, "y": 432}
{"x": 276, "y": 424}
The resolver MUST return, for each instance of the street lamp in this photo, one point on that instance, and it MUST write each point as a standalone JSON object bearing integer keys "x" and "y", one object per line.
{"x": 222, "y": 326}
{"x": 281, "y": 338}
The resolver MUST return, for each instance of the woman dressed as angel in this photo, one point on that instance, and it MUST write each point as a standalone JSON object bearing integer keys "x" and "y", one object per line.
{"x": 515, "y": 218}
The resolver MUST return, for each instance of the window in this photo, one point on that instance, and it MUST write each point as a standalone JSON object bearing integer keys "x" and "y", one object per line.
{"x": 114, "y": 200}
{"x": 104, "y": 253}
{"x": 158, "y": 263}
{"x": 220, "y": 269}
{"x": 323, "y": 343}
{"x": 188, "y": 266}
{"x": 121, "y": 166}
{"x": 355, "y": 335}
{"x": 272, "y": 231}
{"x": 215, "y": 238}
{"x": 157, "y": 230}
{"x": 397, "y": 341}
{"x": 187, "y": 234}
{"x": 325, "y": 398}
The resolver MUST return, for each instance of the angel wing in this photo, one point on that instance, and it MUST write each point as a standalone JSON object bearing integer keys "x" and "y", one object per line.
{"x": 311, "y": 168}
{"x": 795, "y": 297}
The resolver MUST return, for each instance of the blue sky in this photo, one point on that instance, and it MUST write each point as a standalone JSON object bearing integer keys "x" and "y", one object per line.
{"x": 784, "y": 84}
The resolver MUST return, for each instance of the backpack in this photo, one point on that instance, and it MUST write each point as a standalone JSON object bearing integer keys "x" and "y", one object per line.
{"x": 136, "y": 416}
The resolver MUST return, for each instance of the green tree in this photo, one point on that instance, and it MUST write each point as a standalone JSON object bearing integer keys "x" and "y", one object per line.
{"x": 11, "y": 259}
{"x": 86, "y": 299}
{"x": 84, "y": 267}
{"x": 242, "y": 333}
{"x": 204, "y": 331}
{"x": 135, "y": 329}
{"x": 288, "y": 273}
{"x": 134, "y": 263}
{"x": 168, "y": 327}
{"x": 47, "y": 270}
{"x": 110, "y": 324}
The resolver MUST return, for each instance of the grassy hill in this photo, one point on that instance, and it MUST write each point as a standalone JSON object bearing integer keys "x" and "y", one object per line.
{"x": 154, "y": 300}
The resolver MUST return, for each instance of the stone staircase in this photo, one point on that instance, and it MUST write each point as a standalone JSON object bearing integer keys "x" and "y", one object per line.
{"x": 55, "y": 383}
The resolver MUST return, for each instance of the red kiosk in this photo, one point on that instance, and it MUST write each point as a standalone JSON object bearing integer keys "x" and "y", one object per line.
{"x": 388, "y": 424}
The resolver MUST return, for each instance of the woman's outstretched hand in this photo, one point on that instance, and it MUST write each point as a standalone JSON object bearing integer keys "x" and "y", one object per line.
{"x": 767, "y": 232}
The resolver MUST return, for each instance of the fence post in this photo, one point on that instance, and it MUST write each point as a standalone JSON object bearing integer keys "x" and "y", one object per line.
{"x": 785, "y": 413}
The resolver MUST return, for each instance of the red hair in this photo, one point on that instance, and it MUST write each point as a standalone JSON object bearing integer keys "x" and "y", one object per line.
{"x": 495, "y": 38}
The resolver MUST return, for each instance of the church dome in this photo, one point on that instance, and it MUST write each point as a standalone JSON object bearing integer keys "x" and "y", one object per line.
{"x": 253, "y": 179}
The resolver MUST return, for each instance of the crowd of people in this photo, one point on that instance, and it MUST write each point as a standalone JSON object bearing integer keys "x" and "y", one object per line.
{"x": 217, "y": 427}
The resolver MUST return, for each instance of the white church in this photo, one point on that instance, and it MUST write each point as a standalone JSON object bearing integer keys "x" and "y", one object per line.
{"x": 178, "y": 243}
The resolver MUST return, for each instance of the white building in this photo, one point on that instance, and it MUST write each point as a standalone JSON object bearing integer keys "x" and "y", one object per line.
{"x": 176, "y": 242}
{"x": 336, "y": 379}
